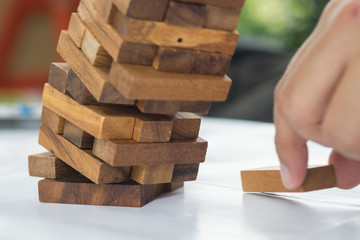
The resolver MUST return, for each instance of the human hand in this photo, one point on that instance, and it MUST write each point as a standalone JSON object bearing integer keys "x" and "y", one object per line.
{"x": 318, "y": 98}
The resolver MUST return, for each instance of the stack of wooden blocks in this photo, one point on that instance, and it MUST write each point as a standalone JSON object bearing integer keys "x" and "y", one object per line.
{"x": 118, "y": 117}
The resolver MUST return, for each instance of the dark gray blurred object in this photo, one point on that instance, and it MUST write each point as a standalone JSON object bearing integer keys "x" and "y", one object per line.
{"x": 255, "y": 73}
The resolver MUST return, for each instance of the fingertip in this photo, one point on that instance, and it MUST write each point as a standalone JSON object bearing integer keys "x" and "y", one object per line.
{"x": 347, "y": 171}
{"x": 293, "y": 178}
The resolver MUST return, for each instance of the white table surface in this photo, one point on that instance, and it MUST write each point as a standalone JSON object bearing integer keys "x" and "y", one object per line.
{"x": 214, "y": 207}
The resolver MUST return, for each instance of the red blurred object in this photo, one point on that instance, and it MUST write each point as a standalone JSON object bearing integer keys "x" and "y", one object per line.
{"x": 18, "y": 12}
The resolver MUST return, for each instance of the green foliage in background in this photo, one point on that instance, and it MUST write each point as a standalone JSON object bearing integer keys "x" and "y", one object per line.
{"x": 287, "y": 22}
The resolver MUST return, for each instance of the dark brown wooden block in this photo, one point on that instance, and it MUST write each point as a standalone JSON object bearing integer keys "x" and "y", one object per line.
{"x": 152, "y": 128}
{"x": 212, "y": 63}
{"x": 186, "y": 126}
{"x": 185, "y": 172}
{"x": 58, "y": 76}
{"x": 120, "y": 50}
{"x": 152, "y": 174}
{"x": 77, "y": 90}
{"x": 131, "y": 153}
{"x": 52, "y": 121}
{"x": 47, "y": 165}
{"x": 222, "y": 18}
{"x": 195, "y": 107}
{"x": 175, "y": 60}
{"x": 237, "y": 4}
{"x": 121, "y": 195}
{"x": 170, "y": 187}
{"x": 142, "y": 9}
{"x": 186, "y": 14}
{"x": 82, "y": 161}
{"x": 77, "y": 136}
{"x": 172, "y": 107}
{"x": 269, "y": 180}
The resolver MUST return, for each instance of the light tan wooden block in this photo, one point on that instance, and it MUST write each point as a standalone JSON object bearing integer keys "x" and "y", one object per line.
{"x": 142, "y": 82}
{"x": 82, "y": 161}
{"x": 93, "y": 50}
{"x": 104, "y": 122}
{"x": 76, "y": 29}
{"x": 186, "y": 126}
{"x": 52, "y": 121}
{"x": 152, "y": 174}
{"x": 142, "y": 9}
{"x": 47, "y": 165}
{"x": 222, "y": 18}
{"x": 58, "y": 76}
{"x": 152, "y": 128}
{"x": 131, "y": 153}
{"x": 237, "y": 4}
{"x": 82, "y": 192}
{"x": 120, "y": 50}
{"x": 269, "y": 180}
{"x": 94, "y": 78}
{"x": 105, "y": 9}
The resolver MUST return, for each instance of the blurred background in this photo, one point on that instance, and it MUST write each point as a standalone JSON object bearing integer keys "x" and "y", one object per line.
{"x": 270, "y": 32}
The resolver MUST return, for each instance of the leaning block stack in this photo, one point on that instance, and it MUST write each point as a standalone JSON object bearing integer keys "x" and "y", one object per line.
{"x": 119, "y": 117}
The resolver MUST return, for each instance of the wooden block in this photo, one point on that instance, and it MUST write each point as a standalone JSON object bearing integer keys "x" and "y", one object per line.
{"x": 94, "y": 78}
{"x": 269, "y": 180}
{"x": 185, "y": 172}
{"x": 110, "y": 39}
{"x": 186, "y": 126}
{"x": 212, "y": 63}
{"x": 77, "y": 136}
{"x": 82, "y": 161}
{"x": 47, "y": 165}
{"x": 186, "y": 14}
{"x": 237, "y": 4}
{"x": 104, "y": 122}
{"x": 120, "y": 195}
{"x": 142, "y": 9}
{"x": 195, "y": 107}
{"x": 76, "y": 29}
{"x": 131, "y": 153}
{"x": 152, "y": 174}
{"x": 58, "y": 76}
{"x": 170, "y": 187}
{"x": 93, "y": 50}
{"x": 222, "y": 18}
{"x": 142, "y": 82}
{"x": 165, "y": 35}
{"x": 175, "y": 60}
{"x": 52, "y": 121}
{"x": 152, "y": 128}
{"x": 105, "y": 9}
{"x": 172, "y": 107}
{"x": 77, "y": 90}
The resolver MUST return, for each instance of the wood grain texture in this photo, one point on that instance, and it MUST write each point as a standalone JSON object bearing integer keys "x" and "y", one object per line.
{"x": 94, "y": 78}
{"x": 237, "y": 4}
{"x": 170, "y": 187}
{"x": 120, "y": 195}
{"x": 142, "y": 9}
{"x": 58, "y": 76}
{"x": 186, "y": 14}
{"x": 110, "y": 39}
{"x": 186, "y": 126}
{"x": 131, "y": 153}
{"x": 82, "y": 161}
{"x": 152, "y": 174}
{"x": 105, "y": 9}
{"x": 142, "y": 82}
{"x": 269, "y": 180}
{"x": 212, "y": 63}
{"x": 47, "y": 165}
{"x": 94, "y": 51}
{"x": 77, "y": 136}
{"x": 76, "y": 29}
{"x": 165, "y": 35}
{"x": 52, "y": 121}
{"x": 185, "y": 172}
{"x": 77, "y": 90}
{"x": 175, "y": 60}
{"x": 104, "y": 122}
{"x": 152, "y": 128}
{"x": 222, "y": 18}
{"x": 172, "y": 107}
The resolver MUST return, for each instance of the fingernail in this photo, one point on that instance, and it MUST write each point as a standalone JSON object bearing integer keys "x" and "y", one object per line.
{"x": 286, "y": 177}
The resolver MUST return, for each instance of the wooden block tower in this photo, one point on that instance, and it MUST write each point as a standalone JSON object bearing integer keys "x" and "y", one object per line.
{"x": 119, "y": 116}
